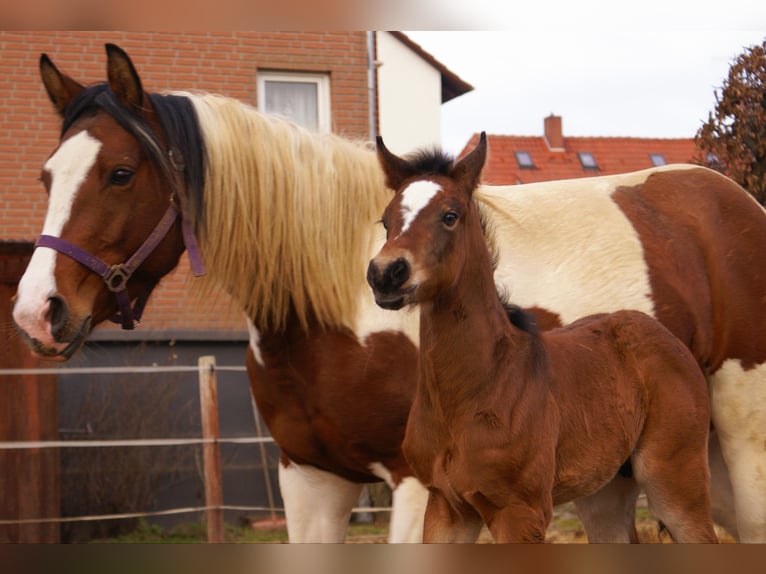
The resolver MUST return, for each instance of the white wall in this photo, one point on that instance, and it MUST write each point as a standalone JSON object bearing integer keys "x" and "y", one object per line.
{"x": 409, "y": 97}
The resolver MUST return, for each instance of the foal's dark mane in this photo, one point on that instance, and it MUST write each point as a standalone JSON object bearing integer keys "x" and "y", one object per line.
{"x": 430, "y": 161}
{"x": 179, "y": 122}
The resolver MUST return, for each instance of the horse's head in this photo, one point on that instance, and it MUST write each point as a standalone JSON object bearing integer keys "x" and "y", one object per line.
{"x": 425, "y": 224}
{"x": 111, "y": 183}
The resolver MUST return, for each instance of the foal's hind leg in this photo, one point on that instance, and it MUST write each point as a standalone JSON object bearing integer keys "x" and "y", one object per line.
{"x": 678, "y": 491}
{"x": 609, "y": 515}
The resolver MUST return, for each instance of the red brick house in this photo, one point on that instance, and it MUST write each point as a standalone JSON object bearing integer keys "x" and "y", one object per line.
{"x": 551, "y": 156}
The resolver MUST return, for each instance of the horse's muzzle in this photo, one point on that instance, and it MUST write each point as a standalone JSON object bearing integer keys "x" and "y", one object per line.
{"x": 387, "y": 283}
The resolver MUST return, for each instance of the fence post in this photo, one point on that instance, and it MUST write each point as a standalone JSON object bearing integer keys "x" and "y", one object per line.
{"x": 211, "y": 452}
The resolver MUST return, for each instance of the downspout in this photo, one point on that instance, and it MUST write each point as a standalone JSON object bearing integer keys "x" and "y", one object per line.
{"x": 371, "y": 85}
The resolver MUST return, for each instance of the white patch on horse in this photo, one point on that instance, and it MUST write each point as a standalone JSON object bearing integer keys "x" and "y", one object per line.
{"x": 567, "y": 247}
{"x": 379, "y": 470}
{"x": 408, "y": 505}
{"x": 737, "y": 397}
{"x": 409, "y": 502}
{"x": 414, "y": 198}
{"x": 255, "y": 340}
{"x": 68, "y": 168}
{"x": 318, "y": 504}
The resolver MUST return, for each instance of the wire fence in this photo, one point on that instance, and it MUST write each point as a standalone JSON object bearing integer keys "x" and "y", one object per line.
{"x": 210, "y": 442}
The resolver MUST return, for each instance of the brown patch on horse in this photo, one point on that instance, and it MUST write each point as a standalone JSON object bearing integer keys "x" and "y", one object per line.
{"x": 327, "y": 408}
{"x": 696, "y": 282}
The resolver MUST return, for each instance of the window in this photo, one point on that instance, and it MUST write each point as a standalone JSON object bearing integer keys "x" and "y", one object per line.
{"x": 304, "y": 98}
{"x": 657, "y": 159}
{"x": 524, "y": 159}
{"x": 587, "y": 161}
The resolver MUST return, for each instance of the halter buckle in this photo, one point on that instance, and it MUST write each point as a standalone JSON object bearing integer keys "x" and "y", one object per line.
{"x": 117, "y": 277}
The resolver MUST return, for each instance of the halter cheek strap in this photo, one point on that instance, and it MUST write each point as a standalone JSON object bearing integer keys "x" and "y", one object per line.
{"x": 116, "y": 276}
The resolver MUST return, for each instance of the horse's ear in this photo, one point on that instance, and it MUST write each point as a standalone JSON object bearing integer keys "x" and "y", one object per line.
{"x": 123, "y": 78}
{"x": 468, "y": 170}
{"x": 395, "y": 168}
{"x": 61, "y": 89}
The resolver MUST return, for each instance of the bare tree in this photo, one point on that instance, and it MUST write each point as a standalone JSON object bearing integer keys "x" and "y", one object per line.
{"x": 733, "y": 140}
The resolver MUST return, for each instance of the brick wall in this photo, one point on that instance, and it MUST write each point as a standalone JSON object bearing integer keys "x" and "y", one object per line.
{"x": 225, "y": 63}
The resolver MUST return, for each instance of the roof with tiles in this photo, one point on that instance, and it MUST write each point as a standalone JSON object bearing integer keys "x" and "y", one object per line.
{"x": 553, "y": 156}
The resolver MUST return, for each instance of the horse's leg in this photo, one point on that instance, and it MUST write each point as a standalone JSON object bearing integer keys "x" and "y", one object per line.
{"x": 609, "y": 515}
{"x": 318, "y": 504}
{"x": 737, "y": 399}
{"x": 676, "y": 481}
{"x": 444, "y": 523}
{"x": 409, "y": 506}
{"x": 721, "y": 492}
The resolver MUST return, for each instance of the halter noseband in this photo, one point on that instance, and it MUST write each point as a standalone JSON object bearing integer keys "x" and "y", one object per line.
{"x": 116, "y": 276}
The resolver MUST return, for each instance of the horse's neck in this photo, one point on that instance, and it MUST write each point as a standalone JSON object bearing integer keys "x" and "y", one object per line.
{"x": 466, "y": 338}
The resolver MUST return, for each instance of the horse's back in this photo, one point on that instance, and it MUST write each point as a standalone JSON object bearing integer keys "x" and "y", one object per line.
{"x": 681, "y": 243}
{"x": 626, "y": 364}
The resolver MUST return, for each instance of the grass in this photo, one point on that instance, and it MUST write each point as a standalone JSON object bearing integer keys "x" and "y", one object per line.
{"x": 196, "y": 533}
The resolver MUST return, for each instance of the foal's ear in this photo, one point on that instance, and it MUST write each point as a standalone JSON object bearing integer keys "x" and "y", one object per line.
{"x": 396, "y": 169}
{"x": 123, "y": 78}
{"x": 61, "y": 89}
{"x": 467, "y": 171}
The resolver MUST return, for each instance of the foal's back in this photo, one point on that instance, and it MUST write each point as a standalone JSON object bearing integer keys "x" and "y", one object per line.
{"x": 622, "y": 382}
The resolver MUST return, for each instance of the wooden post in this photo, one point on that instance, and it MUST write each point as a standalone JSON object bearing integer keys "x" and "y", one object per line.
{"x": 211, "y": 452}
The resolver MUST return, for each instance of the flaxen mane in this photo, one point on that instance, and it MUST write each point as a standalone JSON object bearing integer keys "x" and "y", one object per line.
{"x": 287, "y": 214}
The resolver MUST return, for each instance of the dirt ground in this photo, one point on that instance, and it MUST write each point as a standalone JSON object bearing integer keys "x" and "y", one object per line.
{"x": 566, "y": 528}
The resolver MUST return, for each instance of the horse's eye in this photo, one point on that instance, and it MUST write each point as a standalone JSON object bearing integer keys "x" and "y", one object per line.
{"x": 450, "y": 218}
{"x": 121, "y": 176}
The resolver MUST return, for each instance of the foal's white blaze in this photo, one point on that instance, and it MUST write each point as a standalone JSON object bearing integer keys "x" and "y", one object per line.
{"x": 414, "y": 198}
{"x": 68, "y": 168}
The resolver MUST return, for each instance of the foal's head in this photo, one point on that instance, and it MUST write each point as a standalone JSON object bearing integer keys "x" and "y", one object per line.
{"x": 429, "y": 224}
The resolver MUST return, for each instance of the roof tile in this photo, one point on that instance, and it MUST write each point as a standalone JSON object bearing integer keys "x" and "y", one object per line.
{"x": 612, "y": 154}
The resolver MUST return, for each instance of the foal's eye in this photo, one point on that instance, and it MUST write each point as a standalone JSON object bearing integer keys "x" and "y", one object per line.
{"x": 450, "y": 218}
{"x": 121, "y": 176}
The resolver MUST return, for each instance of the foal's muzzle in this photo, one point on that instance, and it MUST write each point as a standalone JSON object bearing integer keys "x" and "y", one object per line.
{"x": 387, "y": 283}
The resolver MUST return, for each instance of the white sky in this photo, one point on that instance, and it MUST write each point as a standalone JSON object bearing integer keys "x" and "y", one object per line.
{"x": 606, "y": 70}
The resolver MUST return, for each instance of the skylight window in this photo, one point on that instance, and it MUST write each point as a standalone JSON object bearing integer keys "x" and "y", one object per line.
{"x": 524, "y": 159}
{"x": 657, "y": 159}
{"x": 587, "y": 160}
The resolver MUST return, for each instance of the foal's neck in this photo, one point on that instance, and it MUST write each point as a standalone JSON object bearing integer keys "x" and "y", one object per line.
{"x": 467, "y": 339}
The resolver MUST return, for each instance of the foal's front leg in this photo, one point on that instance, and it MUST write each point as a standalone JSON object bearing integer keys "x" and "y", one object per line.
{"x": 519, "y": 522}
{"x": 445, "y": 523}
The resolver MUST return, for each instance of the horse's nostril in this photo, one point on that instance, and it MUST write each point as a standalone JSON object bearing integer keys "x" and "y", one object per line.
{"x": 58, "y": 313}
{"x": 398, "y": 272}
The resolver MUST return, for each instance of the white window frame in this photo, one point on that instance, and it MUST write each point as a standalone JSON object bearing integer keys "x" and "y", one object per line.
{"x": 322, "y": 82}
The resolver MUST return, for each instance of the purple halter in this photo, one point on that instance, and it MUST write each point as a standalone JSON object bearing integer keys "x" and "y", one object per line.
{"x": 116, "y": 276}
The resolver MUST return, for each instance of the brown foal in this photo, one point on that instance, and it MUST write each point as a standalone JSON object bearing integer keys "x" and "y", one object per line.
{"x": 508, "y": 422}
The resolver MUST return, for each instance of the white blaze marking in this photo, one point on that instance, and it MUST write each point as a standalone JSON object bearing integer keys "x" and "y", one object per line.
{"x": 414, "y": 198}
{"x": 68, "y": 168}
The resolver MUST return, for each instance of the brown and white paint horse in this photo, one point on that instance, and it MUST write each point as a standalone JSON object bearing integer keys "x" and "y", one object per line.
{"x": 508, "y": 422}
{"x": 285, "y": 224}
